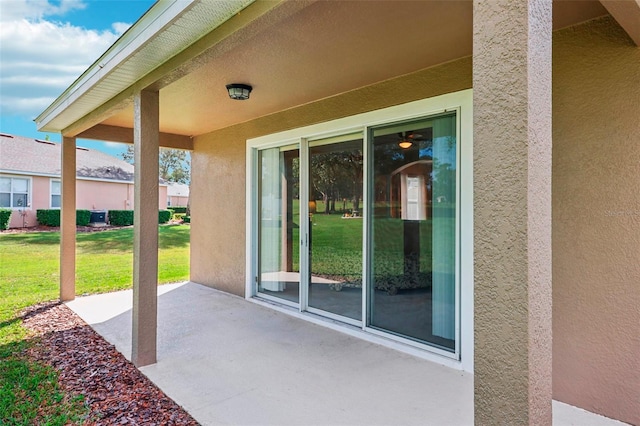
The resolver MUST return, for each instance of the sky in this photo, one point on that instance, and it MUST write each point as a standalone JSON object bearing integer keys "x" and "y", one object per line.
{"x": 45, "y": 45}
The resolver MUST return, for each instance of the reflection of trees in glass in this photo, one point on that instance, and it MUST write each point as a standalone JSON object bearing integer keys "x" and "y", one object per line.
{"x": 337, "y": 176}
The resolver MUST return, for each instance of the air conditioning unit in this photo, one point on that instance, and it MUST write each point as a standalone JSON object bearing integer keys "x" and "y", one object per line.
{"x": 98, "y": 218}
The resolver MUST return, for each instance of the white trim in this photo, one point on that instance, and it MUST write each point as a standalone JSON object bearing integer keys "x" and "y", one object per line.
{"x": 462, "y": 103}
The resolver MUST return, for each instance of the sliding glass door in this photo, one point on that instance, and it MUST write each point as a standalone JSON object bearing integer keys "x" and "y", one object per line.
{"x": 365, "y": 230}
{"x": 335, "y": 230}
{"x": 412, "y": 286}
{"x": 278, "y": 223}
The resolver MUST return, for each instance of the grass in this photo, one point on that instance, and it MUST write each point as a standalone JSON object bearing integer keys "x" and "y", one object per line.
{"x": 29, "y": 274}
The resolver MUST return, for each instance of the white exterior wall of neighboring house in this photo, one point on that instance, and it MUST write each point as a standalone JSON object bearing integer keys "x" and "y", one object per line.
{"x": 177, "y": 195}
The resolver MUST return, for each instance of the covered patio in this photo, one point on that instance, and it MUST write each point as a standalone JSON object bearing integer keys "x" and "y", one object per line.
{"x": 230, "y": 361}
{"x": 541, "y": 166}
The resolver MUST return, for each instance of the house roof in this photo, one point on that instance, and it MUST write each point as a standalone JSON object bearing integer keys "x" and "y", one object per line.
{"x": 22, "y": 155}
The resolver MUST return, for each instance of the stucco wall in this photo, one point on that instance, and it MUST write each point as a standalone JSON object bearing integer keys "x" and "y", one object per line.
{"x": 98, "y": 195}
{"x": 218, "y": 166}
{"x": 596, "y": 220}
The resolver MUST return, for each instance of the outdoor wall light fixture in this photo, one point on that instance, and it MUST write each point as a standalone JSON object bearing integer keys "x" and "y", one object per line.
{"x": 238, "y": 91}
{"x": 404, "y": 144}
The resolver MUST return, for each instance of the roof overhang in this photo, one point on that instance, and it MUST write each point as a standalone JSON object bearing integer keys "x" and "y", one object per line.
{"x": 293, "y": 52}
{"x": 166, "y": 29}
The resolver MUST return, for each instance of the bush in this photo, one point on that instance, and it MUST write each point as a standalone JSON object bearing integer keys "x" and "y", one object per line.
{"x": 83, "y": 217}
{"x": 177, "y": 209}
{"x": 51, "y": 217}
{"x": 125, "y": 217}
{"x": 187, "y": 219}
{"x": 179, "y": 216}
{"x": 121, "y": 217}
{"x": 48, "y": 217}
{"x": 5, "y": 215}
{"x": 164, "y": 216}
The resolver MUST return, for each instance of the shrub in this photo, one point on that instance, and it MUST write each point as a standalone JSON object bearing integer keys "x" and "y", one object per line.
{"x": 179, "y": 216}
{"x": 164, "y": 216}
{"x": 177, "y": 209}
{"x": 125, "y": 217}
{"x": 187, "y": 219}
{"x": 48, "y": 217}
{"x": 121, "y": 217}
{"x": 83, "y": 217}
{"x": 5, "y": 215}
{"x": 51, "y": 217}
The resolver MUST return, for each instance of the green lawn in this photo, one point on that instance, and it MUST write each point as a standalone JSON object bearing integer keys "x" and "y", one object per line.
{"x": 29, "y": 273}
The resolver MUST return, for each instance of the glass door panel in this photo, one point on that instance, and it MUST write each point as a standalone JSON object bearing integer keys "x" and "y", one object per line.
{"x": 278, "y": 223}
{"x": 413, "y": 230}
{"x": 336, "y": 225}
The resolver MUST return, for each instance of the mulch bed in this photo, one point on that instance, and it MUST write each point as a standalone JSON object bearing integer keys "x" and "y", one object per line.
{"x": 115, "y": 391}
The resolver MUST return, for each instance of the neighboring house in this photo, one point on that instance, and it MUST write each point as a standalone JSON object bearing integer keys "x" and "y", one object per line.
{"x": 177, "y": 194}
{"x": 30, "y": 179}
{"x": 509, "y": 262}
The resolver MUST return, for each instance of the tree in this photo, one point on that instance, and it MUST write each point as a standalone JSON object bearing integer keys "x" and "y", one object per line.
{"x": 174, "y": 164}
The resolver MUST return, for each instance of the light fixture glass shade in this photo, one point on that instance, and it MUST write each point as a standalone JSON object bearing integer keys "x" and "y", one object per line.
{"x": 239, "y": 91}
{"x": 404, "y": 144}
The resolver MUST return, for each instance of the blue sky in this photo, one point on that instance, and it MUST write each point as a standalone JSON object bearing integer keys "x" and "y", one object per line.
{"x": 45, "y": 45}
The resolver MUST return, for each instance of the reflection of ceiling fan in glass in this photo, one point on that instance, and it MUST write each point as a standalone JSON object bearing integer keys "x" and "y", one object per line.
{"x": 408, "y": 138}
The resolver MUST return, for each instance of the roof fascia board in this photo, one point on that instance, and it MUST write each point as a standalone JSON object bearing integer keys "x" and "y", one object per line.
{"x": 627, "y": 14}
{"x": 158, "y": 17}
{"x": 23, "y": 173}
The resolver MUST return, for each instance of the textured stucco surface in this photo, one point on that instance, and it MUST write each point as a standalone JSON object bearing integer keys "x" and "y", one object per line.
{"x": 68, "y": 220}
{"x": 596, "y": 220}
{"x": 145, "y": 231}
{"x": 512, "y": 211}
{"x": 218, "y": 166}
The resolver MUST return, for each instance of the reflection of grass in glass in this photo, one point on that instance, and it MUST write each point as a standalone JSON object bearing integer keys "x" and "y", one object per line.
{"x": 336, "y": 245}
{"x": 388, "y": 246}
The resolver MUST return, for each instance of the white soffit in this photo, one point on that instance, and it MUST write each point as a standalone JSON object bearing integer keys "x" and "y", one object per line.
{"x": 166, "y": 29}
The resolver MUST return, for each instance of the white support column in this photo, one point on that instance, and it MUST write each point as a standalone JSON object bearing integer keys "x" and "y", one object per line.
{"x": 68, "y": 221}
{"x": 512, "y": 211}
{"x": 145, "y": 243}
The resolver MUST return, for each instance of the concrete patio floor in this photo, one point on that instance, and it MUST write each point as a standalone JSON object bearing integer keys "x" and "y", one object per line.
{"x": 229, "y": 361}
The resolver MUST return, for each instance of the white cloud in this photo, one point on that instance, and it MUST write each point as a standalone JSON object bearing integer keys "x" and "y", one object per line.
{"x": 13, "y": 10}
{"x": 120, "y": 27}
{"x": 40, "y": 58}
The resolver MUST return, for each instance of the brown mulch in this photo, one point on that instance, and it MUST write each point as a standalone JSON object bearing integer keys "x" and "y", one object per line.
{"x": 115, "y": 391}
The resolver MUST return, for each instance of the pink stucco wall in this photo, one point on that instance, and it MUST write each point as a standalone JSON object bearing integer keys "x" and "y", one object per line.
{"x": 90, "y": 195}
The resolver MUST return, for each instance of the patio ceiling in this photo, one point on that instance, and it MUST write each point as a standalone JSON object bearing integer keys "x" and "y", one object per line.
{"x": 294, "y": 53}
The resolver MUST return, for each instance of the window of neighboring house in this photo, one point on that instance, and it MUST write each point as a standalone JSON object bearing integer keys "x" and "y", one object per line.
{"x": 14, "y": 192}
{"x": 55, "y": 194}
